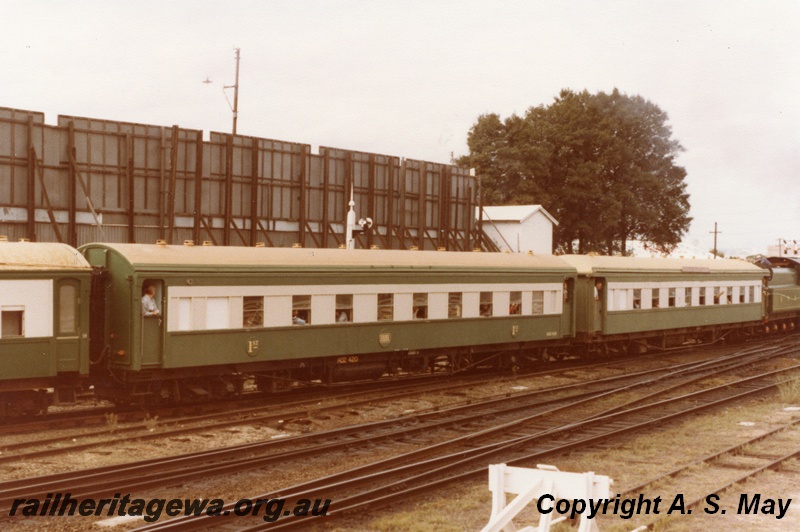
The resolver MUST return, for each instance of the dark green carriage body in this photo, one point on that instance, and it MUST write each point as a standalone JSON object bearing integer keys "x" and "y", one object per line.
{"x": 784, "y": 287}
{"x": 44, "y": 340}
{"x": 204, "y": 293}
{"x": 640, "y": 295}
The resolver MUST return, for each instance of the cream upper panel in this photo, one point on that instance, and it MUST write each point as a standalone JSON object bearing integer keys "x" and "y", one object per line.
{"x": 221, "y": 307}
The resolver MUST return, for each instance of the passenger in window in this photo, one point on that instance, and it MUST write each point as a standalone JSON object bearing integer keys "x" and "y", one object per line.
{"x": 149, "y": 305}
{"x": 598, "y": 289}
{"x": 485, "y": 310}
{"x": 343, "y": 317}
{"x": 296, "y": 319}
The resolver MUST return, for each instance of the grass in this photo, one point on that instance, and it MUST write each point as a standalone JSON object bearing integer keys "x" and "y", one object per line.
{"x": 112, "y": 421}
{"x": 789, "y": 391}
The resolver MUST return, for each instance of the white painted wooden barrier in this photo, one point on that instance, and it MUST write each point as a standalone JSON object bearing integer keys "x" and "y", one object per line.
{"x": 531, "y": 484}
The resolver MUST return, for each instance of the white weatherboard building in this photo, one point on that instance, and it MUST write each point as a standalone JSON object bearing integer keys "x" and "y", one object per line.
{"x": 785, "y": 248}
{"x": 520, "y": 228}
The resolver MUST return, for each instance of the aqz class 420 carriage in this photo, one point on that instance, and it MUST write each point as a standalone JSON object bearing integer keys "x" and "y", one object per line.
{"x": 286, "y": 315}
{"x": 636, "y": 304}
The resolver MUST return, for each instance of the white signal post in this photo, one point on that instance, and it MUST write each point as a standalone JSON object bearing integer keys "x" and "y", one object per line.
{"x": 351, "y": 223}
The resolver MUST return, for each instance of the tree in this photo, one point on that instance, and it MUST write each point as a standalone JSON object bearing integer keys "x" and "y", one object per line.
{"x": 602, "y": 164}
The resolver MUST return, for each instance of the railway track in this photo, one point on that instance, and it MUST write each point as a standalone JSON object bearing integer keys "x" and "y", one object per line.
{"x": 251, "y": 401}
{"x": 87, "y": 417}
{"x": 475, "y": 443}
{"x": 250, "y": 412}
{"x": 389, "y": 481}
{"x": 737, "y": 464}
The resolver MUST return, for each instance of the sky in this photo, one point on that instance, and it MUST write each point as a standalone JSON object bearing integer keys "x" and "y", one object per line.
{"x": 409, "y": 79}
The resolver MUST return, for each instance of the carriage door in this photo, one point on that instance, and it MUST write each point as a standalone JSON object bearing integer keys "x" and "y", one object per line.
{"x": 600, "y": 291}
{"x": 568, "y": 310}
{"x": 152, "y": 329}
{"x": 68, "y": 326}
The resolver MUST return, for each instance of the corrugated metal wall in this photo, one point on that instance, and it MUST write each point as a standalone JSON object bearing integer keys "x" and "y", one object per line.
{"x": 88, "y": 180}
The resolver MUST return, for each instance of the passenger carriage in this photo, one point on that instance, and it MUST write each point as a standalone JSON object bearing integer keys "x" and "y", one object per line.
{"x": 44, "y": 335}
{"x": 288, "y": 315}
{"x": 635, "y": 303}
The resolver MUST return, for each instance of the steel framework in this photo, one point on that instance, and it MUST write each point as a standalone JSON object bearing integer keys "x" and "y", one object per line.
{"x": 89, "y": 180}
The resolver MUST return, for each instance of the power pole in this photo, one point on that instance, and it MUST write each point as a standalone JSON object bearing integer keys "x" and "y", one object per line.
{"x": 235, "y": 88}
{"x": 715, "y": 238}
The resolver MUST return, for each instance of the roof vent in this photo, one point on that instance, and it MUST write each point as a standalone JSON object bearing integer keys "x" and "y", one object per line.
{"x": 260, "y": 245}
{"x": 477, "y": 250}
{"x": 373, "y": 246}
{"x": 342, "y": 246}
{"x": 441, "y": 249}
{"x": 3, "y": 238}
{"x": 297, "y": 245}
{"x": 414, "y": 248}
{"x": 188, "y": 242}
{"x": 24, "y": 239}
{"x": 161, "y": 242}
{"x": 208, "y": 243}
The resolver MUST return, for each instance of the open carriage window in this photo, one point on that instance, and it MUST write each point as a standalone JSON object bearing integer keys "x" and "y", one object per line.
{"x": 301, "y": 310}
{"x": 344, "y": 308}
{"x": 385, "y": 307}
{"x": 253, "y": 311}
{"x": 454, "y": 301}
{"x": 13, "y": 322}
{"x": 420, "y": 306}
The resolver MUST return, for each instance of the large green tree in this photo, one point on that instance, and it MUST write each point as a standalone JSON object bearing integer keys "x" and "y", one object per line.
{"x": 602, "y": 164}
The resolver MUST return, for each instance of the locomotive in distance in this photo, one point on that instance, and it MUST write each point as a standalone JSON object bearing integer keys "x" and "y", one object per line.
{"x": 218, "y": 317}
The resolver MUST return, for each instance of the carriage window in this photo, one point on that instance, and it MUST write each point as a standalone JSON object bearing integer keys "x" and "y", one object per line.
{"x": 671, "y": 300}
{"x": 538, "y": 303}
{"x": 67, "y": 319}
{"x": 515, "y": 304}
{"x": 13, "y": 323}
{"x": 702, "y": 295}
{"x": 253, "y": 311}
{"x": 720, "y": 295}
{"x": 420, "y": 306}
{"x": 301, "y": 310}
{"x": 385, "y": 307}
{"x": 741, "y": 294}
{"x": 344, "y": 308}
{"x": 656, "y": 298}
{"x": 688, "y": 296}
{"x": 752, "y": 294}
{"x": 486, "y": 304}
{"x": 454, "y": 305}
{"x": 637, "y": 298}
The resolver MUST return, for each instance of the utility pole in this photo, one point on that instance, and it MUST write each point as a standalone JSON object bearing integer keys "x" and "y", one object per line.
{"x": 715, "y": 238}
{"x": 479, "y": 232}
{"x": 235, "y": 88}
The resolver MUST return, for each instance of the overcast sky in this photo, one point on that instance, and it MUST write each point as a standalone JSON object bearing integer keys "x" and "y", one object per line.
{"x": 409, "y": 78}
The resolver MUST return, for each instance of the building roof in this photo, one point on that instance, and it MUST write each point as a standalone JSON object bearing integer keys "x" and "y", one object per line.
{"x": 513, "y": 213}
